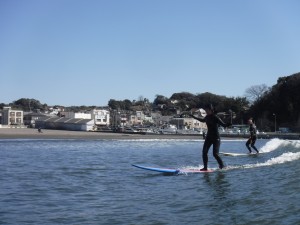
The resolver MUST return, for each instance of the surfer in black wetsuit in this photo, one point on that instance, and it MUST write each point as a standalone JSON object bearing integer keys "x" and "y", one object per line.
{"x": 212, "y": 137}
{"x": 252, "y": 139}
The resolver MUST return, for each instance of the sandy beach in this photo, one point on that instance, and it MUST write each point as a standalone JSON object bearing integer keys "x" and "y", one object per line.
{"x": 30, "y": 133}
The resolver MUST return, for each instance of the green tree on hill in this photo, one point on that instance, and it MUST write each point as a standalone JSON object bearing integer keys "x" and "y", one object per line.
{"x": 282, "y": 101}
{"x": 27, "y": 104}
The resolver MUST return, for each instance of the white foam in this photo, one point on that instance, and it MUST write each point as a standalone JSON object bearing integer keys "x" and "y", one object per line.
{"x": 277, "y": 143}
{"x": 295, "y": 143}
{"x": 190, "y": 167}
{"x": 285, "y": 157}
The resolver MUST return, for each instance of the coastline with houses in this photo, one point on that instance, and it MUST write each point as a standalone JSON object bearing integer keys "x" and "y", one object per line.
{"x": 101, "y": 120}
{"x": 274, "y": 117}
{"x": 103, "y": 124}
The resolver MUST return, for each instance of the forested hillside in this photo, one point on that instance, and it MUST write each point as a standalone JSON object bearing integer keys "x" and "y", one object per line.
{"x": 280, "y": 103}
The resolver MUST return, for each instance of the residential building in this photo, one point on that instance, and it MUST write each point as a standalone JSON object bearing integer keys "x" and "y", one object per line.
{"x": 189, "y": 123}
{"x": 56, "y": 110}
{"x": 31, "y": 117}
{"x": 12, "y": 117}
{"x": 101, "y": 117}
{"x": 156, "y": 117}
{"x": 137, "y": 118}
{"x": 148, "y": 119}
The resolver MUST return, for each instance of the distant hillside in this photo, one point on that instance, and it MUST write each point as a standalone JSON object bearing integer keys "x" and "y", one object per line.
{"x": 281, "y": 102}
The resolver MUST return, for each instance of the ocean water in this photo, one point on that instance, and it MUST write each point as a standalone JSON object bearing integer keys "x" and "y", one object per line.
{"x": 93, "y": 182}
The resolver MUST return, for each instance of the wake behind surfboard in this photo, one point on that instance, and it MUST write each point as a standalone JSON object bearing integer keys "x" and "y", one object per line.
{"x": 167, "y": 171}
{"x": 239, "y": 154}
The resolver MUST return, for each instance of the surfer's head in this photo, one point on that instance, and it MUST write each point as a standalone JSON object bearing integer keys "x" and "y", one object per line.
{"x": 209, "y": 109}
{"x": 250, "y": 121}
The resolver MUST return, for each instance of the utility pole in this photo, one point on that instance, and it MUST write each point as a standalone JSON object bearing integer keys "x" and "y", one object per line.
{"x": 274, "y": 121}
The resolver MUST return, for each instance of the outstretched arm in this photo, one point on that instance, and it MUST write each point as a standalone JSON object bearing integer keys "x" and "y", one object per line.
{"x": 220, "y": 122}
{"x": 196, "y": 118}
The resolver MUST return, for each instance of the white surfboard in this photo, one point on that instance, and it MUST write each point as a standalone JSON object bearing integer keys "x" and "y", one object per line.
{"x": 239, "y": 154}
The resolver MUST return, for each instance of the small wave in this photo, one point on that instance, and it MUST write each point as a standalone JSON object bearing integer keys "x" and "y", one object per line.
{"x": 278, "y": 143}
{"x": 285, "y": 157}
{"x": 295, "y": 143}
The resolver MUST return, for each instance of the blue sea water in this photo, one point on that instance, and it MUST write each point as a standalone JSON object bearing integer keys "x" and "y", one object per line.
{"x": 93, "y": 182}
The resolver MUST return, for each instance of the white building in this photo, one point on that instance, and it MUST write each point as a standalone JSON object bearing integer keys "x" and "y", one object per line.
{"x": 56, "y": 110}
{"x": 188, "y": 123}
{"x": 148, "y": 119}
{"x": 12, "y": 117}
{"x": 101, "y": 117}
{"x": 62, "y": 123}
{"x": 77, "y": 115}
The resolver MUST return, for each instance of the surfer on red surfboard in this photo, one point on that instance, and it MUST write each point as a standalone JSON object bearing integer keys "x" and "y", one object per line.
{"x": 212, "y": 137}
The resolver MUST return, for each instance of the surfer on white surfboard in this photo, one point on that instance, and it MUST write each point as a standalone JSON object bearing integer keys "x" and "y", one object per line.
{"x": 252, "y": 139}
{"x": 212, "y": 137}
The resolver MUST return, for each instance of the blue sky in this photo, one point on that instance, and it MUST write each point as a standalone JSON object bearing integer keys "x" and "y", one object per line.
{"x": 86, "y": 52}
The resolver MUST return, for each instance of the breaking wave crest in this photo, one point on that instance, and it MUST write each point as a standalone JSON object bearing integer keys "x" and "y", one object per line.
{"x": 285, "y": 157}
{"x": 278, "y": 143}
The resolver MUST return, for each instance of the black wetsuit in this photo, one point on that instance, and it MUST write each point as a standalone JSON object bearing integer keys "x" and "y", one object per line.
{"x": 252, "y": 138}
{"x": 212, "y": 138}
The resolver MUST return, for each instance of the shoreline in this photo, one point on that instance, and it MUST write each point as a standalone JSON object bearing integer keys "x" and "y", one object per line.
{"x": 32, "y": 133}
